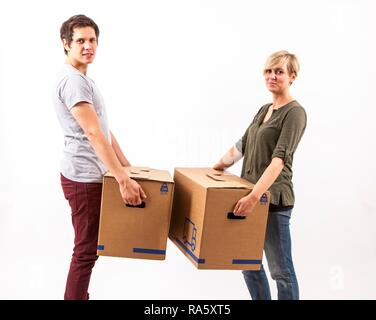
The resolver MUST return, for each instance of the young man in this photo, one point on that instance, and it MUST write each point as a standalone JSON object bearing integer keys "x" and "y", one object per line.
{"x": 90, "y": 150}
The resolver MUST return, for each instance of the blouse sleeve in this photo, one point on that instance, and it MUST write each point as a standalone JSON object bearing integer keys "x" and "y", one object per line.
{"x": 241, "y": 143}
{"x": 293, "y": 127}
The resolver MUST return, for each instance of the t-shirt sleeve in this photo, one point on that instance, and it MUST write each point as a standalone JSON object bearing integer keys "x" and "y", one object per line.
{"x": 74, "y": 90}
{"x": 292, "y": 131}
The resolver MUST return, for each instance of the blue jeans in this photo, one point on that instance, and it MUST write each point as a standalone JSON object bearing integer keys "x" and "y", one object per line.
{"x": 278, "y": 254}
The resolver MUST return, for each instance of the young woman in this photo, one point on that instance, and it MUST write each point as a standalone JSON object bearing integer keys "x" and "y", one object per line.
{"x": 268, "y": 147}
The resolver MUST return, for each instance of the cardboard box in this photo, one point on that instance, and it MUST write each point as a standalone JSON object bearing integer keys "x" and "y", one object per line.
{"x": 136, "y": 232}
{"x": 201, "y": 224}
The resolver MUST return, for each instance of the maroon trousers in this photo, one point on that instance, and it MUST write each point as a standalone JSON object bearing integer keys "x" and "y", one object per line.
{"x": 85, "y": 201}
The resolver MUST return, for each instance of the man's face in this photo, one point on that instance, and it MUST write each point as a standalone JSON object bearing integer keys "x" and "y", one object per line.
{"x": 83, "y": 47}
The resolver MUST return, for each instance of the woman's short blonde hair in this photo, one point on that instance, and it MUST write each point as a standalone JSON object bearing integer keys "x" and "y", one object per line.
{"x": 283, "y": 57}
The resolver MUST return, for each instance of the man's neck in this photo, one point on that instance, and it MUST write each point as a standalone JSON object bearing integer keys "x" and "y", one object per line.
{"x": 79, "y": 66}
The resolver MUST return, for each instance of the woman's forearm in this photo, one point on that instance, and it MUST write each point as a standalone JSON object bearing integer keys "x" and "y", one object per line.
{"x": 231, "y": 157}
{"x": 270, "y": 174}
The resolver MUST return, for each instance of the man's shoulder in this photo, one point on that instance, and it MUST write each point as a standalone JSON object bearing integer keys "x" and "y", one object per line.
{"x": 70, "y": 74}
{"x": 68, "y": 71}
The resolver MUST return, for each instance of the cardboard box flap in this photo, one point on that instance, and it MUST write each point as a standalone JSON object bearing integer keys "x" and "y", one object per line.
{"x": 145, "y": 173}
{"x": 139, "y": 173}
{"x": 210, "y": 178}
{"x": 161, "y": 175}
{"x": 219, "y": 180}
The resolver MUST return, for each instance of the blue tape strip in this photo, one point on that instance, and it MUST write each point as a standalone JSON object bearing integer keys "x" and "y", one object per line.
{"x": 189, "y": 252}
{"x": 243, "y": 261}
{"x": 100, "y": 247}
{"x": 149, "y": 251}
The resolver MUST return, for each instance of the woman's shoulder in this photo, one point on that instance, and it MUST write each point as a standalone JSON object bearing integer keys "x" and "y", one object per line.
{"x": 294, "y": 107}
{"x": 297, "y": 105}
{"x": 295, "y": 112}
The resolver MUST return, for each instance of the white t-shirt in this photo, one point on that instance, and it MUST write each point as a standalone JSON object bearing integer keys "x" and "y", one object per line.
{"x": 79, "y": 161}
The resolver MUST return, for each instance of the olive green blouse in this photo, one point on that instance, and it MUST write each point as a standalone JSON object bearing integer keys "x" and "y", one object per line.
{"x": 277, "y": 137}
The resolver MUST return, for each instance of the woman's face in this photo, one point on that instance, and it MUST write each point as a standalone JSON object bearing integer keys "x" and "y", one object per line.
{"x": 277, "y": 79}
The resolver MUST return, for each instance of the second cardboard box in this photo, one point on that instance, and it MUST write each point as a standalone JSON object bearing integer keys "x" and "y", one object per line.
{"x": 204, "y": 227}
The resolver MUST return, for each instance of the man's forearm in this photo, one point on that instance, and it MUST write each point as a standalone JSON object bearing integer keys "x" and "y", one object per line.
{"x": 106, "y": 153}
{"x": 86, "y": 117}
{"x": 119, "y": 153}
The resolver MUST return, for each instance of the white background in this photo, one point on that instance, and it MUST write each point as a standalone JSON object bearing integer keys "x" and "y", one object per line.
{"x": 181, "y": 82}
